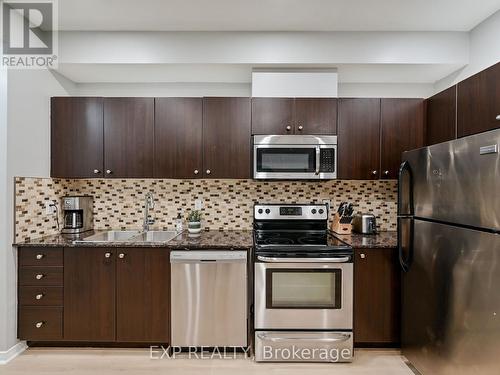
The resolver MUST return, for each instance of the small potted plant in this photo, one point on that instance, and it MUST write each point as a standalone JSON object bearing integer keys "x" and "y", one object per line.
{"x": 194, "y": 222}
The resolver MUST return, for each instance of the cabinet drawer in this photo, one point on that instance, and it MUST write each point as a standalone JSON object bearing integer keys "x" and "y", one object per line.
{"x": 40, "y": 296}
{"x": 40, "y": 323}
{"x": 35, "y": 276}
{"x": 40, "y": 257}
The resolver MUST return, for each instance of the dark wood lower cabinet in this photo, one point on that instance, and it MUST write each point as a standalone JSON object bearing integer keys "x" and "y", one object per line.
{"x": 377, "y": 297}
{"x": 143, "y": 295}
{"x": 89, "y": 294}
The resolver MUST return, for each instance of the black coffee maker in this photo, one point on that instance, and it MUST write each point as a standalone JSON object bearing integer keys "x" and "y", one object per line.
{"x": 77, "y": 214}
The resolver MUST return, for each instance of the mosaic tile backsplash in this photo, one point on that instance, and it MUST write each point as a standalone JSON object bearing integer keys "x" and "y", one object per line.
{"x": 227, "y": 204}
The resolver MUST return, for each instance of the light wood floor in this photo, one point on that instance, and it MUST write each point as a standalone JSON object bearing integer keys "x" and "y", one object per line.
{"x": 56, "y": 361}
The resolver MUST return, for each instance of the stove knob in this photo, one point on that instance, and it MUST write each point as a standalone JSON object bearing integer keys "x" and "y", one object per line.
{"x": 268, "y": 211}
{"x": 321, "y": 211}
{"x": 313, "y": 211}
{"x": 260, "y": 211}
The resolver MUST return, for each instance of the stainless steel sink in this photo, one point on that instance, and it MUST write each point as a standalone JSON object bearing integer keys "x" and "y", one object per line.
{"x": 155, "y": 236}
{"x": 111, "y": 236}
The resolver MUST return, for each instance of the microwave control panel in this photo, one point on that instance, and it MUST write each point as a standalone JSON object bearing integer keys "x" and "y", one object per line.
{"x": 327, "y": 160}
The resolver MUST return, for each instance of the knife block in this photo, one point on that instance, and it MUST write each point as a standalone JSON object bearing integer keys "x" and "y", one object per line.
{"x": 340, "y": 228}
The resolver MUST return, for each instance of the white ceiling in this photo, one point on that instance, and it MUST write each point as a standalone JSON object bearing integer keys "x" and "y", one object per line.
{"x": 241, "y": 73}
{"x": 274, "y": 15}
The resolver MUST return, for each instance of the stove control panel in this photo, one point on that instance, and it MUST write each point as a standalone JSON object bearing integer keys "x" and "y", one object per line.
{"x": 290, "y": 212}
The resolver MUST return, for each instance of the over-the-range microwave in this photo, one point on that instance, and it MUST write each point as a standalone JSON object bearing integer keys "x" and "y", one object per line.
{"x": 291, "y": 157}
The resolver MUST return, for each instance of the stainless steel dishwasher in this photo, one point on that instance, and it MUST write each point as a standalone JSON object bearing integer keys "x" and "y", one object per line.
{"x": 209, "y": 298}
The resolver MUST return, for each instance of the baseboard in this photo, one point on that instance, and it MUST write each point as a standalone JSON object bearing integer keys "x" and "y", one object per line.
{"x": 13, "y": 352}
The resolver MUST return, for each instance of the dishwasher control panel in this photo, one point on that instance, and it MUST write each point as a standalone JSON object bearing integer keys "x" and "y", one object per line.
{"x": 182, "y": 256}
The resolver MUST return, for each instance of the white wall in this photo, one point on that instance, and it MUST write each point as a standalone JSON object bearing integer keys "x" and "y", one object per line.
{"x": 24, "y": 151}
{"x": 484, "y": 47}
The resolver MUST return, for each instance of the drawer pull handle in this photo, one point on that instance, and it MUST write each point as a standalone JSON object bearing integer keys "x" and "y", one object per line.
{"x": 39, "y": 324}
{"x": 363, "y": 256}
{"x": 121, "y": 255}
{"x": 39, "y": 276}
{"x": 39, "y": 296}
{"x": 374, "y": 172}
{"x": 107, "y": 255}
{"x": 301, "y": 127}
{"x": 39, "y": 256}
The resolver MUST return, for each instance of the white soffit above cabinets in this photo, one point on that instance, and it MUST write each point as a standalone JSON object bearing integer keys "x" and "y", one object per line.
{"x": 321, "y": 83}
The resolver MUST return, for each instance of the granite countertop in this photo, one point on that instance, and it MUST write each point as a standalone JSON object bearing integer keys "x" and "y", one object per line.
{"x": 379, "y": 240}
{"x": 212, "y": 239}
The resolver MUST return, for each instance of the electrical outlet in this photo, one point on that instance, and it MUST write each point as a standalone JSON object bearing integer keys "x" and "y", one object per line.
{"x": 49, "y": 208}
{"x": 198, "y": 204}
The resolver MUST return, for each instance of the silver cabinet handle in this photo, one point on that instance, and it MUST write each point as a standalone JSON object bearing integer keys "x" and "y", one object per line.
{"x": 39, "y": 276}
{"x": 196, "y": 171}
{"x": 288, "y": 128}
{"x": 107, "y": 255}
{"x": 498, "y": 117}
{"x": 39, "y": 324}
{"x": 39, "y": 296}
{"x": 304, "y": 260}
{"x": 208, "y": 171}
{"x": 341, "y": 337}
{"x": 39, "y": 256}
{"x": 108, "y": 171}
{"x": 362, "y": 256}
{"x": 386, "y": 173}
{"x": 121, "y": 255}
{"x": 97, "y": 171}
{"x": 300, "y": 127}
{"x": 374, "y": 172}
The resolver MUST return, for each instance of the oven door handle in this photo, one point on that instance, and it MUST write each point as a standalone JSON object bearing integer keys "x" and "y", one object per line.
{"x": 341, "y": 337}
{"x": 343, "y": 259}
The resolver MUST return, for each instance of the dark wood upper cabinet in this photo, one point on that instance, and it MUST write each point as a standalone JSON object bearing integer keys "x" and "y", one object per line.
{"x": 441, "y": 121}
{"x": 359, "y": 138}
{"x": 226, "y": 137}
{"x": 142, "y": 295}
{"x": 178, "y": 137}
{"x": 294, "y": 116}
{"x": 76, "y": 137}
{"x": 478, "y": 102}
{"x": 402, "y": 124}
{"x": 272, "y": 115}
{"x": 89, "y": 294}
{"x": 315, "y": 116}
{"x": 128, "y": 137}
{"x": 377, "y": 286}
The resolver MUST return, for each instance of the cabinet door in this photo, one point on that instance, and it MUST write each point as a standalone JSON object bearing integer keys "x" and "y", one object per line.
{"x": 128, "y": 137}
{"x": 89, "y": 294}
{"x": 359, "y": 138}
{"x": 272, "y": 115}
{"x": 143, "y": 295}
{"x": 315, "y": 116}
{"x": 178, "y": 137}
{"x": 401, "y": 129}
{"x": 226, "y": 137}
{"x": 441, "y": 117}
{"x": 478, "y": 102}
{"x": 76, "y": 137}
{"x": 377, "y": 284}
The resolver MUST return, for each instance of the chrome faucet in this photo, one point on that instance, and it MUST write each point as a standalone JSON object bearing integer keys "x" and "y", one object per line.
{"x": 149, "y": 204}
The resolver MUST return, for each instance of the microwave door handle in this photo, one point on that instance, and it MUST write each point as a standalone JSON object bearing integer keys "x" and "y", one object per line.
{"x": 318, "y": 154}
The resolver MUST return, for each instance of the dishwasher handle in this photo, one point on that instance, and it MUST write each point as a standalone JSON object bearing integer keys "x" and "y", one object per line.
{"x": 208, "y": 256}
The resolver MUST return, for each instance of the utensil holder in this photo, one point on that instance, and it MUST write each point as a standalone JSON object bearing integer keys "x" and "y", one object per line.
{"x": 340, "y": 228}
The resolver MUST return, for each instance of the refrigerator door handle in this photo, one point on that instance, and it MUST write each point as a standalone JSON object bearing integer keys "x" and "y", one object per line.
{"x": 405, "y": 167}
{"x": 406, "y": 262}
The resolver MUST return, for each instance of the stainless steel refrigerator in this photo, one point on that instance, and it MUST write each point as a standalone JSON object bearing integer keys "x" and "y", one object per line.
{"x": 449, "y": 249}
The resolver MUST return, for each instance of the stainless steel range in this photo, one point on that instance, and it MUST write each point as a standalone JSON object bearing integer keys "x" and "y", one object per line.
{"x": 303, "y": 286}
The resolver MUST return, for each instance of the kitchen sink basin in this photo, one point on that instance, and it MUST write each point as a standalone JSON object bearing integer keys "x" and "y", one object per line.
{"x": 155, "y": 236}
{"x": 111, "y": 236}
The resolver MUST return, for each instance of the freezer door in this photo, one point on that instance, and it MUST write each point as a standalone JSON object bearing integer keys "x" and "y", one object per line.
{"x": 451, "y": 301}
{"x": 458, "y": 181}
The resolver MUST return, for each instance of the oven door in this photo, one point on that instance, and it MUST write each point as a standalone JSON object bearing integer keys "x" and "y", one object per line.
{"x": 303, "y": 295}
{"x": 286, "y": 162}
